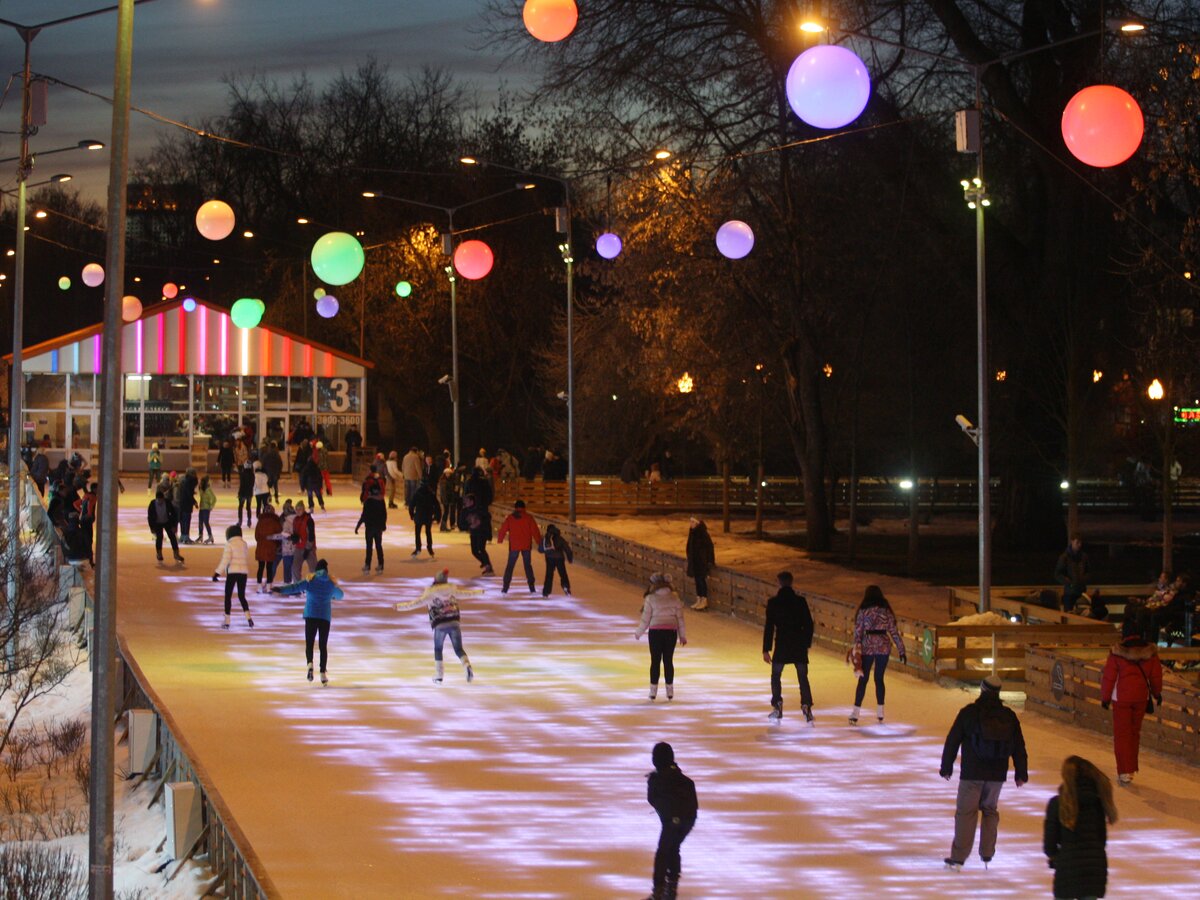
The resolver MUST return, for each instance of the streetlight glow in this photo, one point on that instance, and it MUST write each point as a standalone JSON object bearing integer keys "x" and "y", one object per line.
{"x": 812, "y": 26}
{"x": 468, "y": 160}
{"x": 1096, "y": 376}
{"x": 662, "y": 154}
{"x": 685, "y": 383}
{"x": 1155, "y": 391}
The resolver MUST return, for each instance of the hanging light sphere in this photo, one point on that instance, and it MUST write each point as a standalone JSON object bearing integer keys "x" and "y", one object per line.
{"x": 131, "y": 308}
{"x": 473, "y": 260}
{"x": 828, "y": 86}
{"x": 550, "y": 20}
{"x": 93, "y": 275}
{"x": 403, "y": 289}
{"x": 318, "y": 293}
{"x": 337, "y": 257}
{"x": 64, "y": 283}
{"x": 247, "y": 312}
{"x": 1102, "y": 126}
{"x": 735, "y": 239}
{"x": 608, "y": 245}
{"x": 215, "y": 220}
{"x": 189, "y": 304}
{"x": 170, "y": 290}
{"x": 327, "y": 306}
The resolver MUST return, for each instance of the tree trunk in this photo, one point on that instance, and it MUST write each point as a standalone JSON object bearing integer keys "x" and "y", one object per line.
{"x": 1168, "y": 495}
{"x": 806, "y": 429}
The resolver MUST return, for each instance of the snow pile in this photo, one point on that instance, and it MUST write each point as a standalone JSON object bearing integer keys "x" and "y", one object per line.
{"x": 986, "y": 618}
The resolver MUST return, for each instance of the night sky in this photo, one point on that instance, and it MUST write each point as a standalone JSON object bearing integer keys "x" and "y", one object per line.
{"x": 183, "y": 49}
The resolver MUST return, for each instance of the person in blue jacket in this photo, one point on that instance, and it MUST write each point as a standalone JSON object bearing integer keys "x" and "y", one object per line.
{"x": 320, "y": 590}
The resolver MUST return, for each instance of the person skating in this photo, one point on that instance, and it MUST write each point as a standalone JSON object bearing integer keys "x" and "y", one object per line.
{"x": 673, "y": 796}
{"x": 412, "y": 468}
{"x": 272, "y": 464}
{"x": 558, "y": 553}
{"x": 989, "y": 733}
{"x": 266, "y": 545}
{"x": 662, "y": 617}
{"x": 245, "y": 492}
{"x": 701, "y": 558}
{"x": 154, "y": 465}
{"x": 523, "y": 533}
{"x": 225, "y": 462}
{"x": 320, "y": 590}
{"x": 208, "y": 500}
{"x": 187, "y": 503}
{"x": 262, "y": 489}
{"x": 322, "y": 457}
{"x": 1075, "y": 831}
{"x": 235, "y": 566}
{"x": 311, "y": 482}
{"x": 304, "y": 542}
{"x": 163, "y": 519}
{"x": 789, "y": 626}
{"x": 287, "y": 550}
{"x": 874, "y": 632}
{"x": 424, "y": 510}
{"x": 395, "y": 478}
{"x": 374, "y": 519}
{"x": 445, "y": 616}
{"x": 1132, "y": 676}
{"x": 477, "y": 522}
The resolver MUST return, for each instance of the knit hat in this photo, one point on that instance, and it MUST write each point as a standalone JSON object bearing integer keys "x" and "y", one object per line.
{"x": 660, "y": 578}
{"x": 663, "y": 756}
{"x": 991, "y": 683}
{"x": 440, "y": 577}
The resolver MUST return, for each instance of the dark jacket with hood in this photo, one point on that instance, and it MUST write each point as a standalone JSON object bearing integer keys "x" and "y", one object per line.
{"x": 153, "y": 518}
{"x": 701, "y": 557}
{"x": 424, "y": 507}
{"x": 789, "y": 626}
{"x": 475, "y": 518}
{"x": 1077, "y": 854}
{"x": 967, "y": 725}
{"x": 555, "y": 546}
{"x": 1132, "y": 672}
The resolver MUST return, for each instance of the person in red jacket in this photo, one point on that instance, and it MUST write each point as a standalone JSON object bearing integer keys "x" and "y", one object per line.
{"x": 1132, "y": 675}
{"x": 522, "y": 532}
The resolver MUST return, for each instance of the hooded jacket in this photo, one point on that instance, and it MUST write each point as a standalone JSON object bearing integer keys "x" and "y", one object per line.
{"x": 555, "y": 546}
{"x": 701, "y": 557}
{"x": 1077, "y": 854}
{"x": 153, "y": 518}
{"x": 319, "y": 593}
{"x": 266, "y": 547}
{"x": 662, "y": 609}
{"x": 974, "y": 768}
{"x": 1129, "y": 666}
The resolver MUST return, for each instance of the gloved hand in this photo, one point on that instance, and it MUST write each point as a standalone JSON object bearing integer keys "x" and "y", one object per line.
{"x": 1158, "y": 700}
{"x": 903, "y": 659}
{"x": 356, "y": 527}
{"x": 1105, "y": 704}
{"x": 215, "y": 576}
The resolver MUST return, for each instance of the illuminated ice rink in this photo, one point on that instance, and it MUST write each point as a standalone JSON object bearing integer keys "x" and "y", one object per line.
{"x": 529, "y": 783}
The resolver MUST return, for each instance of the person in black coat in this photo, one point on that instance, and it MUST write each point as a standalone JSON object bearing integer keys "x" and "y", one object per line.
{"x": 424, "y": 510}
{"x": 988, "y": 733}
{"x": 272, "y": 464}
{"x": 673, "y": 796}
{"x": 163, "y": 518}
{"x": 477, "y": 522}
{"x": 187, "y": 504}
{"x": 1075, "y": 831}
{"x": 789, "y": 625}
{"x": 558, "y": 553}
{"x": 374, "y": 518}
{"x": 480, "y": 486}
{"x": 701, "y": 558}
{"x": 353, "y": 441}
{"x": 246, "y": 492}
{"x": 225, "y": 461}
{"x": 312, "y": 481}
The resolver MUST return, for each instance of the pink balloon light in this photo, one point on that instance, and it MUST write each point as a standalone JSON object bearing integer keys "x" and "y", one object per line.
{"x": 735, "y": 239}
{"x": 131, "y": 308}
{"x": 170, "y": 290}
{"x": 608, "y": 245}
{"x": 473, "y": 260}
{"x": 1102, "y": 126}
{"x": 93, "y": 275}
{"x": 550, "y": 20}
{"x": 828, "y": 86}
{"x": 215, "y": 220}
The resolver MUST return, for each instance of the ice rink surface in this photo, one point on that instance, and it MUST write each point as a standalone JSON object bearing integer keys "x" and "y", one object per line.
{"x": 530, "y": 782}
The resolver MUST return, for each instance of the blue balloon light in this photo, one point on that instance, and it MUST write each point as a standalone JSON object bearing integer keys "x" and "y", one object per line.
{"x": 609, "y": 245}
{"x": 327, "y": 306}
{"x": 735, "y": 239}
{"x": 828, "y": 86}
{"x": 189, "y": 304}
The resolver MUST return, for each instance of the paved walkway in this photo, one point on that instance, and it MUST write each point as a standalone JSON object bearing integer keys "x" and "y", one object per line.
{"x": 529, "y": 783}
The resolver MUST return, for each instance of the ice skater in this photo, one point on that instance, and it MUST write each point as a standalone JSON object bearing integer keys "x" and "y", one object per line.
{"x": 522, "y": 532}
{"x": 558, "y": 553}
{"x": 789, "y": 625}
{"x": 874, "y": 633}
{"x": 320, "y": 590}
{"x": 1075, "y": 830}
{"x": 424, "y": 510}
{"x": 442, "y": 598}
{"x": 163, "y": 518}
{"x": 374, "y": 518}
{"x": 208, "y": 500}
{"x": 235, "y": 566}
{"x": 245, "y": 492}
{"x": 662, "y": 616}
{"x": 477, "y": 522}
{"x": 673, "y": 796}
{"x": 1132, "y": 680}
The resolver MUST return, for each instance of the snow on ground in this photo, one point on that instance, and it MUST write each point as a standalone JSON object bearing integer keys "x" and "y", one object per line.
{"x": 529, "y": 783}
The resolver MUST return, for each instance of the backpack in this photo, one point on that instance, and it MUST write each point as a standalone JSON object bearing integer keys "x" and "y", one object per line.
{"x": 994, "y": 737}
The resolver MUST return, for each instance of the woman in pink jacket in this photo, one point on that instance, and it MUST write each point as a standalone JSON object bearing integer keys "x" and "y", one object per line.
{"x": 1132, "y": 675}
{"x": 662, "y": 616}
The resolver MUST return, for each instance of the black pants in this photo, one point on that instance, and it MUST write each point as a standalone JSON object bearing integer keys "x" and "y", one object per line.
{"x": 240, "y": 580}
{"x": 205, "y": 514}
{"x": 428, "y": 526}
{"x": 226, "y": 472}
{"x": 777, "y": 665}
{"x": 260, "y": 501}
{"x": 313, "y": 628}
{"x": 880, "y": 661}
{"x": 702, "y": 585}
{"x": 374, "y": 540}
{"x": 662, "y": 650}
{"x": 559, "y": 565}
{"x": 269, "y": 568}
{"x": 245, "y": 502}
{"x": 158, "y": 536}
{"x": 512, "y": 564}
{"x": 479, "y": 548}
{"x": 185, "y": 522}
{"x": 666, "y": 859}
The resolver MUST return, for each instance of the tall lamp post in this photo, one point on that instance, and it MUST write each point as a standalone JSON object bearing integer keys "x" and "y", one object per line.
{"x": 563, "y": 227}
{"x": 452, "y": 277}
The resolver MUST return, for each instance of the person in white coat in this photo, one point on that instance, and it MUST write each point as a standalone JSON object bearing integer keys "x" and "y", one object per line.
{"x": 235, "y": 566}
{"x": 441, "y": 598}
{"x": 662, "y": 617}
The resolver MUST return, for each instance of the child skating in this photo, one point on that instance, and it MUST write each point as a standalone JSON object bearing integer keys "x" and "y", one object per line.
{"x": 442, "y": 599}
{"x": 558, "y": 553}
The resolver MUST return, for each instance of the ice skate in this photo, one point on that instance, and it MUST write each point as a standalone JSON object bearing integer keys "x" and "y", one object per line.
{"x": 776, "y": 712}
{"x": 431, "y": 553}
{"x": 808, "y": 715}
{"x": 249, "y": 622}
{"x": 670, "y": 692}
{"x": 324, "y": 678}
{"x": 379, "y": 569}
{"x": 366, "y": 570}
{"x": 653, "y": 691}
{"x": 178, "y": 559}
{"x": 986, "y": 860}
{"x": 225, "y": 624}
{"x": 416, "y": 553}
{"x": 310, "y": 672}
{"x": 1125, "y": 779}
{"x": 488, "y": 570}
{"x": 700, "y": 604}
{"x": 567, "y": 591}
{"x": 470, "y": 673}
{"x": 879, "y": 714}
{"x": 953, "y": 864}
{"x": 437, "y": 678}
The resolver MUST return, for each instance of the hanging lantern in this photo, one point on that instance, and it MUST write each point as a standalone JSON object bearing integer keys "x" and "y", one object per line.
{"x": 828, "y": 86}
{"x": 93, "y": 275}
{"x": 215, "y": 220}
{"x": 608, "y": 245}
{"x": 403, "y": 289}
{"x": 170, "y": 290}
{"x": 189, "y": 304}
{"x": 64, "y": 283}
{"x": 319, "y": 293}
{"x": 1102, "y": 126}
{"x": 550, "y": 20}
{"x": 247, "y": 312}
{"x": 473, "y": 260}
{"x": 131, "y": 308}
{"x": 337, "y": 258}
{"x": 327, "y": 306}
{"x": 735, "y": 239}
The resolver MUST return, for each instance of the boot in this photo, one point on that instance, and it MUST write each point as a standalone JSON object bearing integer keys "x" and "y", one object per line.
{"x": 438, "y": 666}
{"x": 670, "y": 692}
{"x": 776, "y": 710}
{"x": 808, "y": 716}
{"x": 701, "y": 603}
{"x": 854, "y": 716}
{"x": 467, "y": 666}
{"x": 670, "y": 887}
{"x": 653, "y": 690}
{"x": 880, "y": 713}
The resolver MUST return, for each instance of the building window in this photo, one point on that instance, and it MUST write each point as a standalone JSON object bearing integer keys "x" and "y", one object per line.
{"x": 45, "y": 391}
{"x": 217, "y": 392}
{"x": 83, "y": 390}
{"x": 167, "y": 392}
{"x": 302, "y": 394}
{"x": 136, "y": 388}
{"x": 275, "y": 392}
{"x": 250, "y": 393}
{"x": 216, "y": 426}
{"x": 171, "y": 430}
{"x": 337, "y": 395}
{"x": 133, "y": 430}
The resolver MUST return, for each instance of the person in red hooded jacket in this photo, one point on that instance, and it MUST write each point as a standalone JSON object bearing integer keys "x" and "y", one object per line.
{"x": 522, "y": 532}
{"x": 1132, "y": 675}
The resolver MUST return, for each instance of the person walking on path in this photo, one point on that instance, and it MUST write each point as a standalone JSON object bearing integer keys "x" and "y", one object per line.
{"x": 235, "y": 566}
{"x": 1131, "y": 683}
{"x": 662, "y": 616}
{"x": 701, "y": 558}
{"x": 208, "y": 500}
{"x": 412, "y": 468}
{"x": 154, "y": 463}
{"x": 1075, "y": 830}
{"x": 522, "y": 532}
{"x": 374, "y": 518}
{"x": 673, "y": 796}
{"x": 442, "y": 598}
{"x": 989, "y": 733}
{"x": 163, "y": 519}
{"x": 424, "y": 510}
{"x": 477, "y": 522}
{"x": 1072, "y": 572}
{"x": 874, "y": 633}
{"x": 558, "y": 553}
{"x": 320, "y": 590}
{"x": 245, "y": 492}
{"x": 789, "y": 626}
{"x": 266, "y": 545}
{"x": 304, "y": 542}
